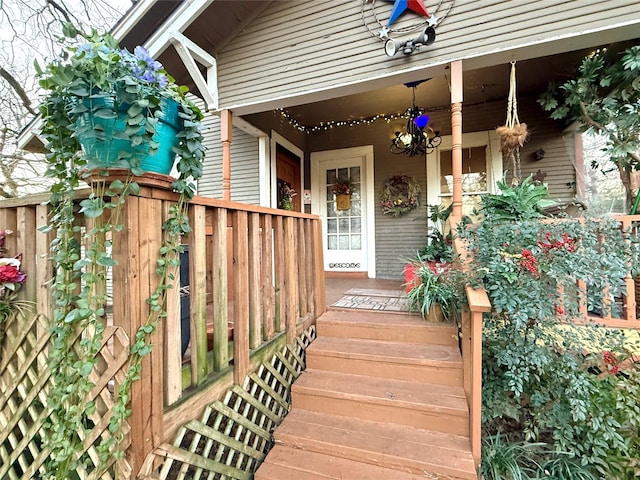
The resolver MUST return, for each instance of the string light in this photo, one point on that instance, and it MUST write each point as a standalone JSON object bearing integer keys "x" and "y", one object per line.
{"x": 323, "y": 126}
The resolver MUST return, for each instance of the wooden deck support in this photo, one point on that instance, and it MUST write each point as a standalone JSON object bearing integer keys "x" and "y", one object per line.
{"x": 226, "y": 129}
{"x": 472, "y": 364}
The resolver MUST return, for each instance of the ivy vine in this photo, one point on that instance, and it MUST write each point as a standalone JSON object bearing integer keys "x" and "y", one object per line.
{"x": 79, "y": 287}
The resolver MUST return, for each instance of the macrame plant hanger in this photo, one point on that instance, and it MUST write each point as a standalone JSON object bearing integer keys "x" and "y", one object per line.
{"x": 513, "y": 134}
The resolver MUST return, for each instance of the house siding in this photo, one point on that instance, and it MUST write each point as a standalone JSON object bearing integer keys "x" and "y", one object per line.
{"x": 245, "y": 180}
{"x": 309, "y": 48}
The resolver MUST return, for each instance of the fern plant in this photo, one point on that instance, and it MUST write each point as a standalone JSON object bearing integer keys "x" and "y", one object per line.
{"x": 525, "y": 201}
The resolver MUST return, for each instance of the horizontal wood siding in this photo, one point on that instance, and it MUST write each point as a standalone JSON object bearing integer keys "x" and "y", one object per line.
{"x": 300, "y": 47}
{"x": 245, "y": 180}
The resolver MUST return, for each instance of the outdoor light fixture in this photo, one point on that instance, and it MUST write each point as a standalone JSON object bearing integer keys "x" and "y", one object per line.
{"x": 417, "y": 138}
{"x": 426, "y": 37}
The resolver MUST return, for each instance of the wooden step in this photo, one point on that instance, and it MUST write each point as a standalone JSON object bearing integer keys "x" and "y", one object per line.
{"x": 383, "y": 444}
{"x": 285, "y": 463}
{"x": 440, "y": 364}
{"x": 441, "y": 408}
{"x": 393, "y": 328}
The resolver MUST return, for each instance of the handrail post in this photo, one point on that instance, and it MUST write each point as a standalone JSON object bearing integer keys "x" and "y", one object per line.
{"x": 478, "y": 304}
{"x": 136, "y": 251}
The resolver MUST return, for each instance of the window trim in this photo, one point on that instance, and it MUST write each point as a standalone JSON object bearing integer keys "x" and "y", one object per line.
{"x": 488, "y": 139}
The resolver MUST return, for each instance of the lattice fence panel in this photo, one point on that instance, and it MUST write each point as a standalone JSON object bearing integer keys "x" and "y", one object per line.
{"x": 234, "y": 434}
{"x": 25, "y": 380}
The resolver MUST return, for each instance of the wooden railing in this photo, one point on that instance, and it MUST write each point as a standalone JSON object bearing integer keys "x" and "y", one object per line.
{"x": 256, "y": 281}
{"x": 629, "y": 313}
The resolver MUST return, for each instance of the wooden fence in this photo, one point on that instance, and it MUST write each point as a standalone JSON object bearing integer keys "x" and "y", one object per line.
{"x": 255, "y": 283}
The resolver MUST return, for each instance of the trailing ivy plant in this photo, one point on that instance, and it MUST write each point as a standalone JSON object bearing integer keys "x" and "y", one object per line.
{"x": 79, "y": 287}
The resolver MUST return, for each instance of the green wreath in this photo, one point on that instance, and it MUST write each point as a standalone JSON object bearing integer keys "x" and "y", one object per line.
{"x": 399, "y": 195}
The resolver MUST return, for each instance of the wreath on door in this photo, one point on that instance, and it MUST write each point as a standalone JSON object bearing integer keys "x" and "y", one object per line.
{"x": 399, "y": 195}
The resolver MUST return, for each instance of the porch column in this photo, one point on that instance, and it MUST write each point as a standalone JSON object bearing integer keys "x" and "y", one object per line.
{"x": 456, "y": 137}
{"x": 226, "y": 126}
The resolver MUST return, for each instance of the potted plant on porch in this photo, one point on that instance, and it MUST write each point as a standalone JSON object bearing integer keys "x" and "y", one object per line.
{"x": 120, "y": 109}
{"x": 437, "y": 253}
{"x": 436, "y": 296}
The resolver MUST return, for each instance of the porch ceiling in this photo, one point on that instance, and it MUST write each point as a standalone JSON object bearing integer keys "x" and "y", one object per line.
{"x": 481, "y": 85}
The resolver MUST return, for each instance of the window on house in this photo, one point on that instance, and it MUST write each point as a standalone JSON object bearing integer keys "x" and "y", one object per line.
{"x": 474, "y": 178}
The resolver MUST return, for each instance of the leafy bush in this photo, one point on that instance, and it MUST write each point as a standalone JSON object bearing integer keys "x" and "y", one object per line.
{"x": 545, "y": 382}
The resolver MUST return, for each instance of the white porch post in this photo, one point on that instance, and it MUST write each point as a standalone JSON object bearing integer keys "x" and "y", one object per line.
{"x": 456, "y": 137}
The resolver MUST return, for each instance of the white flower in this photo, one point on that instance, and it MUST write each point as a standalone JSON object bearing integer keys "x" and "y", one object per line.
{"x": 10, "y": 261}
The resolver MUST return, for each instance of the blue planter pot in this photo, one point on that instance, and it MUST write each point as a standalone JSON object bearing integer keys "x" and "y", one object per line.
{"x": 100, "y": 133}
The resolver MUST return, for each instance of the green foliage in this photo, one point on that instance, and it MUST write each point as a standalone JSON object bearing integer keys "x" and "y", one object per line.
{"x": 519, "y": 202}
{"x": 605, "y": 97}
{"x": 79, "y": 287}
{"x": 439, "y": 248}
{"x": 540, "y": 383}
{"x": 506, "y": 460}
{"x": 98, "y": 76}
{"x": 444, "y": 289}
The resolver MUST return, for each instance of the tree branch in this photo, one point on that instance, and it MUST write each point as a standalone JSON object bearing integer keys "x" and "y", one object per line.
{"x": 15, "y": 85}
{"x": 60, "y": 9}
{"x": 588, "y": 119}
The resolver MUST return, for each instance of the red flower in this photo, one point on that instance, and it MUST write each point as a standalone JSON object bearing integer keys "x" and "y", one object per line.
{"x": 567, "y": 243}
{"x": 612, "y": 362}
{"x": 10, "y": 273}
{"x": 559, "y": 310}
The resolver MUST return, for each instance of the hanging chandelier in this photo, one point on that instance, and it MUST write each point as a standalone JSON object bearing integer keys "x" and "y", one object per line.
{"x": 416, "y": 138}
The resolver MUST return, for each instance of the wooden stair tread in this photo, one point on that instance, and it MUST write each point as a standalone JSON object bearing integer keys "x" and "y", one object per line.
{"x": 396, "y": 352}
{"x": 285, "y": 463}
{"x": 384, "y": 444}
{"x": 376, "y": 326}
{"x": 356, "y": 316}
{"x": 401, "y": 393}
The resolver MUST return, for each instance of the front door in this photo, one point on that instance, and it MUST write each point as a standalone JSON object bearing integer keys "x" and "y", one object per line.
{"x": 288, "y": 178}
{"x": 346, "y": 225}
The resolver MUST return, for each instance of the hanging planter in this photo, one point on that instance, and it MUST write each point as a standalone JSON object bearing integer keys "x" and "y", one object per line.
{"x": 343, "y": 201}
{"x": 101, "y": 132}
{"x": 513, "y": 134}
{"x": 119, "y": 109}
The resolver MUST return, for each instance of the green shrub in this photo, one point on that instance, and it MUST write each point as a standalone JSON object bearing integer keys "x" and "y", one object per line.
{"x": 545, "y": 382}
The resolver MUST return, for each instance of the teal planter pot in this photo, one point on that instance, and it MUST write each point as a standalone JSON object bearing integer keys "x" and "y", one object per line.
{"x": 101, "y": 132}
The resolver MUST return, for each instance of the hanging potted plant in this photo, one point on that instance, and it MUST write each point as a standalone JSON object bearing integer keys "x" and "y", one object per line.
{"x": 106, "y": 108}
{"x": 119, "y": 109}
{"x": 342, "y": 191}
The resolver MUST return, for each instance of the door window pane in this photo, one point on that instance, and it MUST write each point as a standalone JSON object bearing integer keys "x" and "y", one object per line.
{"x": 342, "y": 223}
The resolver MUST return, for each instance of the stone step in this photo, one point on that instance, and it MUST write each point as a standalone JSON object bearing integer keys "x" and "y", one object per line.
{"x": 435, "y": 364}
{"x": 442, "y": 408}
{"x": 390, "y": 327}
{"x": 385, "y": 445}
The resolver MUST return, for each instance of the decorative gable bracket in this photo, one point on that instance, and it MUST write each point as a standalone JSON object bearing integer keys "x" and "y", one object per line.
{"x": 190, "y": 53}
